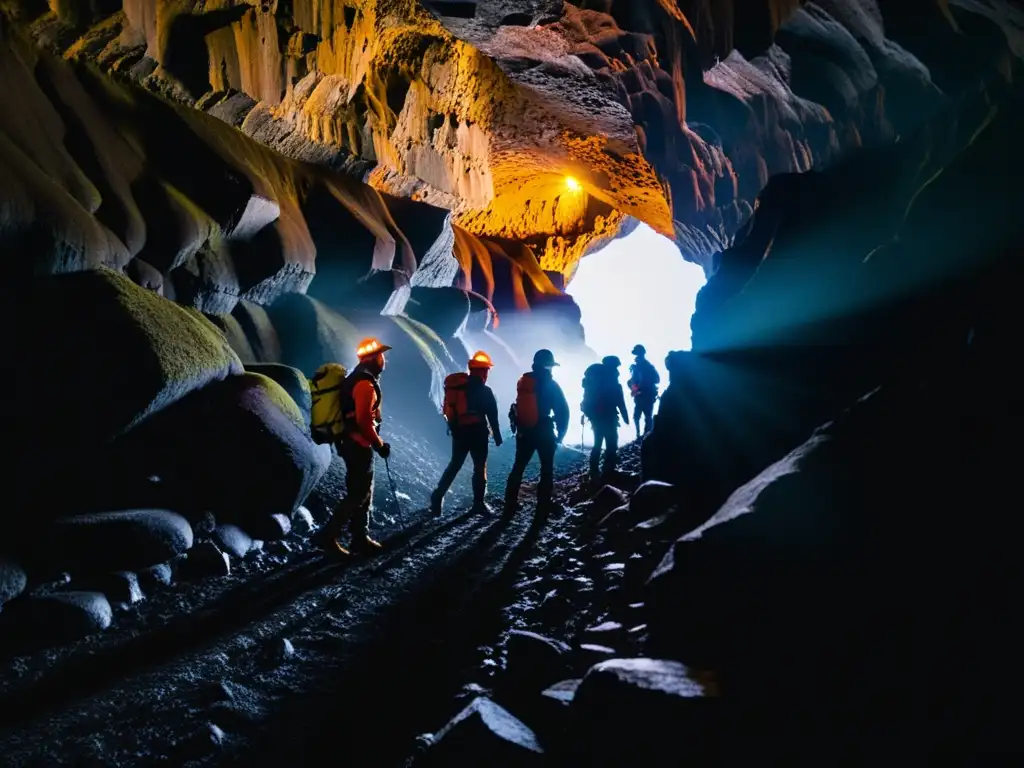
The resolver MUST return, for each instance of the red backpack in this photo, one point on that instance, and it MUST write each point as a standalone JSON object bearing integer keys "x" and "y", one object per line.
{"x": 527, "y": 411}
{"x": 457, "y": 411}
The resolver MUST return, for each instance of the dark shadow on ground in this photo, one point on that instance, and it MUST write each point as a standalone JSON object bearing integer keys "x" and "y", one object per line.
{"x": 83, "y": 675}
{"x": 372, "y": 703}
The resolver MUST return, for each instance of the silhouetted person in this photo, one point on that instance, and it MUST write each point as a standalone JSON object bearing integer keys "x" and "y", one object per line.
{"x": 667, "y": 453}
{"x": 603, "y": 401}
{"x": 540, "y": 419}
{"x": 643, "y": 385}
{"x": 472, "y": 414}
{"x": 361, "y": 400}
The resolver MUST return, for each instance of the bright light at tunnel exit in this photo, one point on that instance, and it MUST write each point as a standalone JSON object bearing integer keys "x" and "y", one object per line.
{"x": 636, "y": 290}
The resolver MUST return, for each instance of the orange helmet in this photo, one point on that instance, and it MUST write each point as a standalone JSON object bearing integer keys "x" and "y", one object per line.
{"x": 369, "y": 348}
{"x": 480, "y": 360}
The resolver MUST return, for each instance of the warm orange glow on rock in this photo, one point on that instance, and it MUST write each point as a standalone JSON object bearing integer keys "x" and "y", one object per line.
{"x": 573, "y": 184}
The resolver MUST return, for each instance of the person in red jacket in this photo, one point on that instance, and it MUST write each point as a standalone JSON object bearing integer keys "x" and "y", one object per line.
{"x": 361, "y": 399}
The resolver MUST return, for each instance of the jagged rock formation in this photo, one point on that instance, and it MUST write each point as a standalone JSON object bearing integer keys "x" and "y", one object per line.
{"x": 676, "y": 114}
{"x": 100, "y": 173}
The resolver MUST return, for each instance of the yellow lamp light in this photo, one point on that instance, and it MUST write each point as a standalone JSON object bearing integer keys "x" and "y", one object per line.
{"x": 573, "y": 184}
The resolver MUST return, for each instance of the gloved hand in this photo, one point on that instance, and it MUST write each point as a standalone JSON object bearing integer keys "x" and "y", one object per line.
{"x": 384, "y": 451}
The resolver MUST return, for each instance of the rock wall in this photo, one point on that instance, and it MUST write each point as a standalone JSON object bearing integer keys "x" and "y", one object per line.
{"x": 100, "y": 172}
{"x": 674, "y": 113}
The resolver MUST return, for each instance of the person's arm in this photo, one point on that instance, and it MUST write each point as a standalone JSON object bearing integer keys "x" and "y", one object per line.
{"x": 492, "y": 416}
{"x": 366, "y": 403}
{"x": 561, "y": 408}
{"x": 622, "y": 404}
{"x": 655, "y": 375}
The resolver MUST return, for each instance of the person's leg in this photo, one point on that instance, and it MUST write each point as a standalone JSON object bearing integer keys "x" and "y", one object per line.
{"x": 611, "y": 453}
{"x": 343, "y": 510}
{"x": 637, "y": 410}
{"x": 595, "y": 452}
{"x": 359, "y": 479}
{"x": 524, "y": 452}
{"x": 460, "y": 450}
{"x": 478, "y": 451}
{"x": 545, "y": 487}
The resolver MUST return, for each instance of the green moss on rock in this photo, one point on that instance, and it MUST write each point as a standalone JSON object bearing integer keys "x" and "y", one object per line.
{"x": 104, "y": 354}
{"x": 277, "y": 395}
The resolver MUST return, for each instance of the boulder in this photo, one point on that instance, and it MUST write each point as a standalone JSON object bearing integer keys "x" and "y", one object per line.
{"x": 607, "y": 499}
{"x": 291, "y": 380}
{"x": 112, "y": 336}
{"x": 533, "y": 661}
{"x": 652, "y": 498}
{"x": 829, "y": 575}
{"x": 120, "y": 588}
{"x": 562, "y": 692}
{"x": 235, "y": 334}
{"x": 270, "y": 528}
{"x": 103, "y": 542}
{"x": 233, "y": 540}
{"x": 604, "y": 632}
{"x": 12, "y": 580}
{"x": 154, "y": 577}
{"x": 328, "y": 492}
{"x": 483, "y": 733}
{"x": 302, "y": 522}
{"x": 589, "y": 654}
{"x": 648, "y": 712}
{"x": 240, "y": 449}
{"x": 42, "y": 621}
{"x": 204, "y": 561}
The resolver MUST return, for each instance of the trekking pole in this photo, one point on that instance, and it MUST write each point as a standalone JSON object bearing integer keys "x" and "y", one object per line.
{"x": 394, "y": 495}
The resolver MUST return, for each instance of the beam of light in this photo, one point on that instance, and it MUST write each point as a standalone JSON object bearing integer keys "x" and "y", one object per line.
{"x": 636, "y": 290}
{"x": 573, "y": 184}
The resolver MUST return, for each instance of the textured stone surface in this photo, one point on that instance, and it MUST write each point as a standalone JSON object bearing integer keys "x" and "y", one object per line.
{"x": 675, "y": 113}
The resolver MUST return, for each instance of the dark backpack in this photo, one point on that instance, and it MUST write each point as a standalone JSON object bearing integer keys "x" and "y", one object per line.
{"x": 597, "y": 400}
{"x": 643, "y": 378}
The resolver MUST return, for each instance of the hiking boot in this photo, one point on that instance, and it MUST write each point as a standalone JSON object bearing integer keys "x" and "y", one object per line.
{"x": 364, "y": 545}
{"x": 481, "y": 508}
{"x": 436, "y": 504}
{"x": 329, "y": 544}
{"x": 511, "y": 506}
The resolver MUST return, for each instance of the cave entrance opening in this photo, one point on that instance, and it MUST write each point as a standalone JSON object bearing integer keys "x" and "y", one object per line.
{"x": 636, "y": 290}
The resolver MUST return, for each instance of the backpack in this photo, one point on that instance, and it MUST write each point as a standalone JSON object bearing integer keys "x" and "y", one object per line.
{"x": 325, "y": 416}
{"x": 596, "y": 382}
{"x": 457, "y": 410}
{"x": 644, "y": 378}
{"x": 526, "y": 408}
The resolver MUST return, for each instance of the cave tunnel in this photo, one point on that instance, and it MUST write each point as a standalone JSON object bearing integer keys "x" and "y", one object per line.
{"x": 636, "y": 290}
{"x": 227, "y": 541}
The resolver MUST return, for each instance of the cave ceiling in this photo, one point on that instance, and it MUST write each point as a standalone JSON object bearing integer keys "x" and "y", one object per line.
{"x": 671, "y": 112}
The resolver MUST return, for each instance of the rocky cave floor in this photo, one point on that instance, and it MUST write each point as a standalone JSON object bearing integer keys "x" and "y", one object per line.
{"x": 295, "y": 657}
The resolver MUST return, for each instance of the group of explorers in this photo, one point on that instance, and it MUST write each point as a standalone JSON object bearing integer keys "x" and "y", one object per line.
{"x": 346, "y": 412}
